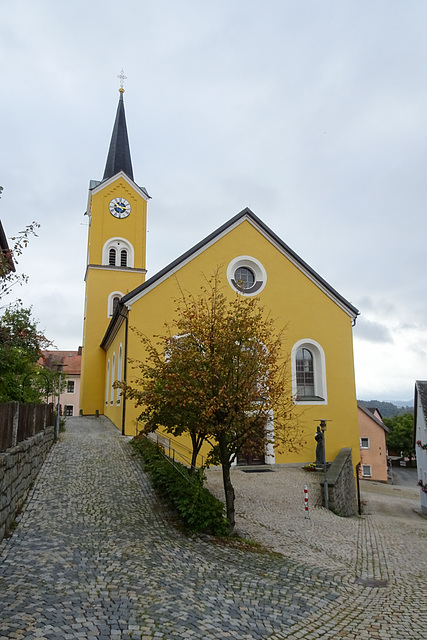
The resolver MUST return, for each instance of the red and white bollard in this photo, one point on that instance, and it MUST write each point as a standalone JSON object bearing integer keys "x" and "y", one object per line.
{"x": 307, "y": 514}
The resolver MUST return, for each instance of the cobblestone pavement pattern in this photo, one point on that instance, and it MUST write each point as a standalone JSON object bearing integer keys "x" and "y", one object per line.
{"x": 94, "y": 557}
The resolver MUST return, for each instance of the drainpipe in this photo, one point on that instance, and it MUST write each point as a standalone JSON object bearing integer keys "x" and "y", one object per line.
{"x": 125, "y": 371}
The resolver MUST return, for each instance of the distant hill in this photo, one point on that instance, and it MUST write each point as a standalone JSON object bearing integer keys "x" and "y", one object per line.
{"x": 387, "y": 409}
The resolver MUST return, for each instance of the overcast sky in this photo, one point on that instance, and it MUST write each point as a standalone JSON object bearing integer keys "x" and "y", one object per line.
{"x": 311, "y": 112}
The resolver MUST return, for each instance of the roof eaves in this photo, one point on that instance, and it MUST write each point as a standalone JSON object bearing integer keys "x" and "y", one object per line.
{"x": 369, "y": 413}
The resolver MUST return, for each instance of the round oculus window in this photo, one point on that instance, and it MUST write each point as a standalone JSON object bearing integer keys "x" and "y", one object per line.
{"x": 246, "y": 275}
{"x": 244, "y": 278}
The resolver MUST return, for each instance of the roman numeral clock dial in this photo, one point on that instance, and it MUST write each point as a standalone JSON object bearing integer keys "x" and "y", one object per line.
{"x": 119, "y": 208}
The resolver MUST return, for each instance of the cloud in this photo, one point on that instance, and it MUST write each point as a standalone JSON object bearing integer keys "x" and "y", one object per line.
{"x": 372, "y": 331}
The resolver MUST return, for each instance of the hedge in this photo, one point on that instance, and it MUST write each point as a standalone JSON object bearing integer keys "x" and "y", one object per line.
{"x": 197, "y": 508}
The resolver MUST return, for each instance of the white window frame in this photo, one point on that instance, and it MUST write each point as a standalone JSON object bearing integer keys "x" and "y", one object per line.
{"x": 366, "y": 446}
{"x": 365, "y": 472}
{"x": 118, "y": 244}
{"x": 73, "y": 384}
{"x": 319, "y": 370}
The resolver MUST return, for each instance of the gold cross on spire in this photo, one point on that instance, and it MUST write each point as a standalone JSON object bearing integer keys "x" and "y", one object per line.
{"x": 122, "y": 78}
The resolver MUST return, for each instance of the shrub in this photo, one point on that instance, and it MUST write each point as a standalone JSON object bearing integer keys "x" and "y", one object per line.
{"x": 196, "y": 507}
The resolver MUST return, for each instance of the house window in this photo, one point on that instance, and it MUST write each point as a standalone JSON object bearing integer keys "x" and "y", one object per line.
{"x": 123, "y": 258}
{"x": 366, "y": 470}
{"x": 112, "y": 257}
{"x": 364, "y": 443}
{"x": 246, "y": 275}
{"x": 305, "y": 373}
{"x": 68, "y": 409}
{"x": 70, "y": 386}
{"x": 308, "y": 372}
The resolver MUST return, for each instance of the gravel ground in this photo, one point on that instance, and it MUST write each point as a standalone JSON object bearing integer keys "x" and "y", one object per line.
{"x": 270, "y": 509}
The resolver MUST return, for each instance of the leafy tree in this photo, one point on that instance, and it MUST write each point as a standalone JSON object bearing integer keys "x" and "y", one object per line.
{"x": 20, "y": 347}
{"x": 219, "y": 375}
{"x": 401, "y": 435}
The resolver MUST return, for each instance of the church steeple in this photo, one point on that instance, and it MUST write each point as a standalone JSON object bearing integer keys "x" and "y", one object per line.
{"x": 119, "y": 153}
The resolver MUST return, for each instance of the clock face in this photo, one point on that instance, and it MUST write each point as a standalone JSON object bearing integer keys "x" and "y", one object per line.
{"x": 119, "y": 208}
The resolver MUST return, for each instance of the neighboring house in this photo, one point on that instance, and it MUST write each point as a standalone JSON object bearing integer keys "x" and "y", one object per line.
{"x": 420, "y": 436}
{"x": 71, "y": 367}
{"x": 6, "y": 262}
{"x": 319, "y": 321}
{"x": 373, "y": 448}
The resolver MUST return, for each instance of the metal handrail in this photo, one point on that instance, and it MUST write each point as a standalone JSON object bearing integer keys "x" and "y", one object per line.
{"x": 170, "y": 448}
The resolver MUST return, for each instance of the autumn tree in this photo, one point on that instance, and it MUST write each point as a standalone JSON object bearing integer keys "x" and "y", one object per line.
{"x": 219, "y": 374}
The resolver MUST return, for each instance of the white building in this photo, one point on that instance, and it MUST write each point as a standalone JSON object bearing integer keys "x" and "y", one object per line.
{"x": 420, "y": 426}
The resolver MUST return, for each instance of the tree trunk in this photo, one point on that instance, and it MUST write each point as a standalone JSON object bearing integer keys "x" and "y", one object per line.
{"x": 197, "y": 442}
{"x": 228, "y": 487}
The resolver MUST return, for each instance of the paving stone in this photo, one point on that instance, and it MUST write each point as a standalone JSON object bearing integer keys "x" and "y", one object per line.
{"x": 94, "y": 556}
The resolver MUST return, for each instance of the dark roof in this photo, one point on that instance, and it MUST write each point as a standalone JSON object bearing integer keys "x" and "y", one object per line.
{"x": 373, "y": 409}
{"x": 119, "y": 153}
{"x": 251, "y": 216}
{"x": 421, "y": 391}
{"x": 4, "y": 247}
{"x": 370, "y": 414}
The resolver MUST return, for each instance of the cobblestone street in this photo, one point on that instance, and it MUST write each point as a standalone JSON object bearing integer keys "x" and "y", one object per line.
{"x": 94, "y": 557}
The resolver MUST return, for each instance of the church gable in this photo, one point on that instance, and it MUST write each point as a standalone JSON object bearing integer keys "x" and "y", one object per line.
{"x": 239, "y": 246}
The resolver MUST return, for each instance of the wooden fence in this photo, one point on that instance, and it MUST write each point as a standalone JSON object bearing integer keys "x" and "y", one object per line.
{"x": 21, "y": 421}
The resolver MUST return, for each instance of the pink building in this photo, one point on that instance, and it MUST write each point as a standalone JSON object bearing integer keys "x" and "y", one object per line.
{"x": 71, "y": 366}
{"x": 373, "y": 448}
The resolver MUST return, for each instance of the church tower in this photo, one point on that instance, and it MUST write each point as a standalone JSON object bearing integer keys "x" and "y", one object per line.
{"x": 116, "y": 252}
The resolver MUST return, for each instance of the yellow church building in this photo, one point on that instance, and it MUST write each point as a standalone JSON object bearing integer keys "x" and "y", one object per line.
{"x": 118, "y": 297}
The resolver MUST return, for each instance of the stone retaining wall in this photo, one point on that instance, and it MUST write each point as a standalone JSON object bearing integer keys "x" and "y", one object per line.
{"x": 19, "y": 467}
{"x": 342, "y": 485}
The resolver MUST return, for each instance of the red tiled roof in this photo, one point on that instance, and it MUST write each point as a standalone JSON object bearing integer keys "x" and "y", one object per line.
{"x": 71, "y": 360}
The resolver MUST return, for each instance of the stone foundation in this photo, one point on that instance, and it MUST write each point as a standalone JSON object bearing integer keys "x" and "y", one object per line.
{"x": 342, "y": 485}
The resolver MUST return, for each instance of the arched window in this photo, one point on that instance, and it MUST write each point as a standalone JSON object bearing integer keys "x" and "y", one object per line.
{"x": 107, "y": 386}
{"x": 305, "y": 373}
{"x": 118, "y": 252}
{"x": 308, "y": 372}
{"x": 112, "y": 379}
{"x": 119, "y": 374}
{"x": 113, "y": 300}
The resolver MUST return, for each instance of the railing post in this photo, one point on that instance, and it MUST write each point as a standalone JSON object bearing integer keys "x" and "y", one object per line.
{"x": 15, "y": 424}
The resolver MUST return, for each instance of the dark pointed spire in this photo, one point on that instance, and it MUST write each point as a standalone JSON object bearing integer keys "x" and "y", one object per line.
{"x": 119, "y": 153}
